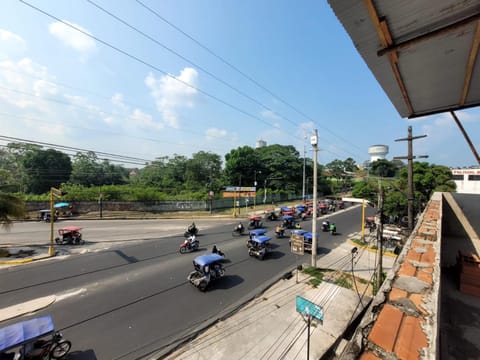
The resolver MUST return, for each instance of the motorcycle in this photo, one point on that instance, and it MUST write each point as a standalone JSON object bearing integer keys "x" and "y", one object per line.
{"x": 325, "y": 226}
{"x": 190, "y": 244}
{"x": 238, "y": 230}
{"x": 191, "y": 231}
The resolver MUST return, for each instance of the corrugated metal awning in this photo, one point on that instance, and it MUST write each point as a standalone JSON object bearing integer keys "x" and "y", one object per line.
{"x": 423, "y": 53}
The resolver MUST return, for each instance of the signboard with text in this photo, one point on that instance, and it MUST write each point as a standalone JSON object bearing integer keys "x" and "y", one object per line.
{"x": 297, "y": 244}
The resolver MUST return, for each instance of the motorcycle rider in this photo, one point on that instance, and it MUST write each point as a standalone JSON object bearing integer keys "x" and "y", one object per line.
{"x": 240, "y": 227}
{"x": 192, "y": 229}
{"x": 325, "y": 225}
{"x": 191, "y": 240}
{"x": 280, "y": 230}
{"x": 333, "y": 228}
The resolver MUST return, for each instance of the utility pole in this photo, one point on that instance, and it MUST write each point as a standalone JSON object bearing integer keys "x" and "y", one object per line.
{"x": 380, "y": 238}
{"x": 314, "y": 142}
{"x": 410, "y": 158}
{"x": 303, "y": 187}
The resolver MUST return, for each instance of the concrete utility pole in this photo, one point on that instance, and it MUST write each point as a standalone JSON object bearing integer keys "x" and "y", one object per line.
{"x": 410, "y": 158}
{"x": 314, "y": 142}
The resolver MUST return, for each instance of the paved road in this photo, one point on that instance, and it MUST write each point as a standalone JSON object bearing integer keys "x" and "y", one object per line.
{"x": 129, "y": 300}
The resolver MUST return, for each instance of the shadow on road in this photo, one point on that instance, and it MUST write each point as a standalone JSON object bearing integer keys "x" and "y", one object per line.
{"x": 82, "y": 355}
{"x": 228, "y": 282}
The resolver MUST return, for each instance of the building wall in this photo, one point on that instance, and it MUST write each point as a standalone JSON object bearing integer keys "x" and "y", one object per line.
{"x": 467, "y": 180}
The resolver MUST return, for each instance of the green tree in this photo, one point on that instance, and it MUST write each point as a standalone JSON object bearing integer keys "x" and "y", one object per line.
{"x": 365, "y": 190}
{"x": 240, "y": 166}
{"x": 202, "y": 171}
{"x": 10, "y": 207}
{"x": 46, "y": 169}
{"x": 383, "y": 168}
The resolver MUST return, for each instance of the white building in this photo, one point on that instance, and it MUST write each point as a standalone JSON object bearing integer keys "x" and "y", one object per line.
{"x": 261, "y": 143}
{"x": 467, "y": 180}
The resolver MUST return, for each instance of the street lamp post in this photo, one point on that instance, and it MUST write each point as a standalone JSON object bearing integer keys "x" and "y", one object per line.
{"x": 255, "y": 184}
{"x": 314, "y": 142}
{"x": 53, "y": 193}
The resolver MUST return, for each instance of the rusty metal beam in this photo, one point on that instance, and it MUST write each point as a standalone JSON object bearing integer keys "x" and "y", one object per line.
{"x": 386, "y": 41}
{"x": 428, "y": 35}
{"x": 471, "y": 63}
{"x": 465, "y": 135}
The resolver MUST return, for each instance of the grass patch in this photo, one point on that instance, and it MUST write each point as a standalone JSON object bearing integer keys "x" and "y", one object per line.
{"x": 4, "y": 253}
{"x": 316, "y": 274}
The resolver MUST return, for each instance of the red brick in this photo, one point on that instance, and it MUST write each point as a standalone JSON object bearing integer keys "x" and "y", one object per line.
{"x": 411, "y": 339}
{"x": 417, "y": 299}
{"x": 428, "y": 256}
{"x": 396, "y": 294}
{"x": 425, "y": 276}
{"x": 407, "y": 269}
{"x": 369, "y": 356}
{"x": 413, "y": 255}
{"x": 385, "y": 329}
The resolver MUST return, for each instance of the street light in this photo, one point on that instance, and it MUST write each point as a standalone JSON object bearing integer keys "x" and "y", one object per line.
{"x": 255, "y": 184}
{"x": 53, "y": 193}
{"x": 265, "y": 188}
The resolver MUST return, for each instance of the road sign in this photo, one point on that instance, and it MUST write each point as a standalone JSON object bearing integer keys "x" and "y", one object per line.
{"x": 308, "y": 308}
{"x": 297, "y": 244}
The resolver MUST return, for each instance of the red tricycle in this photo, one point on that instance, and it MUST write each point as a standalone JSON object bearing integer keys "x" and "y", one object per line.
{"x": 70, "y": 235}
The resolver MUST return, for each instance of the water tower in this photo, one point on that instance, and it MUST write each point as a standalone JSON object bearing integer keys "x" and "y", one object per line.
{"x": 377, "y": 152}
{"x": 261, "y": 143}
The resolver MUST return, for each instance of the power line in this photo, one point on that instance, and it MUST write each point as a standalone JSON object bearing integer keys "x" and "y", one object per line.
{"x": 251, "y": 79}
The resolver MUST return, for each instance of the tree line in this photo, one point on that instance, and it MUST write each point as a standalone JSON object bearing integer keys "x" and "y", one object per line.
{"x": 29, "y": 171}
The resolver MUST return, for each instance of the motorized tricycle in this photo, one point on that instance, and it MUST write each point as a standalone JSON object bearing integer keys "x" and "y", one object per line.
{"x": 44, "y": 215}
{"x": 34, "y": 339}
{"x": 255, "y": 222}
{"x": 288, "y": 221}
{"x": 207, "y": 268}
{"x": 271, "y": 215}
{"x": 255, "y": 233}
{"x": 285, "y": 210}
{"x": 189, "y": 244}
{"x": 70, "y": 235}
{"x": 260, "y": 246}
{"x": 323, "y": 208}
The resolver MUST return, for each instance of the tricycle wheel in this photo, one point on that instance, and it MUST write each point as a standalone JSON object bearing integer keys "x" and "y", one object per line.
{"x": 61, "y": 349}
{"x": 58, "y": 241}
{"x": 203, "y": 285}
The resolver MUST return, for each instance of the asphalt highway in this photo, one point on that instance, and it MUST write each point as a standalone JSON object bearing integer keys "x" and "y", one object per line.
{"x": 127, "y": 296}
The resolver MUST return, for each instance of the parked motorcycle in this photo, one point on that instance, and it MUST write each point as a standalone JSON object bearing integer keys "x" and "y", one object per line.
{"x": 190, "y": 244}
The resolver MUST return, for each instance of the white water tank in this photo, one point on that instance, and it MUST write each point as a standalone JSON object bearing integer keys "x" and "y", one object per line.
{"x": 377, "y": 152}
{"x": 261, "y": 143}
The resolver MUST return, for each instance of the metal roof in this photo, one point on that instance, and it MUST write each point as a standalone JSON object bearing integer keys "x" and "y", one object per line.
{"x": 424, "y": 53}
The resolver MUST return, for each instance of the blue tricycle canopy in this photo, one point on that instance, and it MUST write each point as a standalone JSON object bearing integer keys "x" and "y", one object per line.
{"x": 262, "y": 239}
{"x": 207, "y": 259}
{"x": 258, "y": 232}
{"x": 61, "y": 204}
{"x": 25, "y": 331}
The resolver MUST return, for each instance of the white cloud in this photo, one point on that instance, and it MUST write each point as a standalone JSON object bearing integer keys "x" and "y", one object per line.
{"x": 269, "y": 114}
{"x": 171, "y": 94}
{"x": 11, "y": 43}
{"x": 117, "y": 100}
{"x": 29, "y": 83}
{"x": 71, "y": 37}
{"x": 144, "y": 120}
{"x": 214, "y": 133}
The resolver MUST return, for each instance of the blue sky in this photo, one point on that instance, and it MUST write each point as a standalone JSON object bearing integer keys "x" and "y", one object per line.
{"x": 273, "y": 70}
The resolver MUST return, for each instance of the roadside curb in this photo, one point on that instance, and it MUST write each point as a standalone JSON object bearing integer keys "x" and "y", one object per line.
{"x": 24, "y": 261}
{"x": 26, "y": 307}
{"x": 385, "y": 253}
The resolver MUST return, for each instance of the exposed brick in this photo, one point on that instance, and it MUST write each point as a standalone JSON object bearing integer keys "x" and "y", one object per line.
{"x": 386, "y": 327}
{"x": 411, "y": 339}
{"x": 413, "y": 255}
{"x": 417, "y": 299}
{"x": 428, "y": 256}
{"x": 407, "y": 269}
{"x": 396, "y": 294}
{"x": 425, "y": 276}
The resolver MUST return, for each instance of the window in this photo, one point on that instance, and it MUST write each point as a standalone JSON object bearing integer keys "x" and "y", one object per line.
{"x": 457, "y": 177}
{"x": 474, "y": 177}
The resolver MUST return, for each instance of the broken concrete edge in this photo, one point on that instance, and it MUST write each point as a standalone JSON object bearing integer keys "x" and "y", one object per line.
{"x": 26, "y": 307}
{"x": 385, "y": 253}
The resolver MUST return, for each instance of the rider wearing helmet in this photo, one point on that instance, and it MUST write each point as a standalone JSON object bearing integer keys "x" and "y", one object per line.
{"x": 214, "y": 249}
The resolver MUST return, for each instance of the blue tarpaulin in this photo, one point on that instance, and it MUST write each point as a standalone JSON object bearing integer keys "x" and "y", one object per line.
{"x": 61, "y": 204}
{"x": 21, "y": 332}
